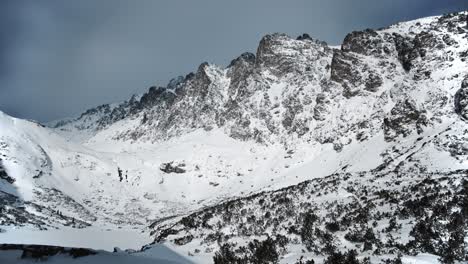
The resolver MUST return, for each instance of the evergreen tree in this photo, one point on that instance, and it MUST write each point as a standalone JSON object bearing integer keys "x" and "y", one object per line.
{"x": 307, "y": 230}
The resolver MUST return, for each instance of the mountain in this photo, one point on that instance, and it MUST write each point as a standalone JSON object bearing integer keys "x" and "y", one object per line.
{"x": 299, "y": 152}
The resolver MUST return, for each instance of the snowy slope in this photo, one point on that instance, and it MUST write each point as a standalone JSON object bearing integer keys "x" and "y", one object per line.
{"x": 388, "y": 101}
{"x": 50, "y": 254}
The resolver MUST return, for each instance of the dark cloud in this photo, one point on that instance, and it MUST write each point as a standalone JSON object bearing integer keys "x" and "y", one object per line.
{"x": 59, "y": 57}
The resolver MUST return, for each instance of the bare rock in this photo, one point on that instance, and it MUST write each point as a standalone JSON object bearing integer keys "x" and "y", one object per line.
{"x": 172, "y": 167}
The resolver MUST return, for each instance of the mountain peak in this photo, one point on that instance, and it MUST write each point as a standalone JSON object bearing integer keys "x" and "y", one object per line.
{"x": 312, "y": 76}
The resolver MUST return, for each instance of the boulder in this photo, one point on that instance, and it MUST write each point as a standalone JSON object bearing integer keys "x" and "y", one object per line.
{"x": 172, "y": 167}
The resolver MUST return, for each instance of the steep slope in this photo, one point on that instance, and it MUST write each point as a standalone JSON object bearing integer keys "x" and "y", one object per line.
{"x": 34, "y": 192}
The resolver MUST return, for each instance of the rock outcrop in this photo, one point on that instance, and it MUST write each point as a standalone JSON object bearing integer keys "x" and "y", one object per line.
{"x": 461, "y": 99}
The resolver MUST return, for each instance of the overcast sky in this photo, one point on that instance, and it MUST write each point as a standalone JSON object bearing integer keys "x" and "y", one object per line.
{"x": 60, "y": 57}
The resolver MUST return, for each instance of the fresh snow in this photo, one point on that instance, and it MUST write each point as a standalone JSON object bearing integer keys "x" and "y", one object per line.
{"x": 73, "y": 168}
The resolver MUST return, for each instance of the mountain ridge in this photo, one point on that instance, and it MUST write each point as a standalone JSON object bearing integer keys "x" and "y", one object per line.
{"x": 383, "y": 116}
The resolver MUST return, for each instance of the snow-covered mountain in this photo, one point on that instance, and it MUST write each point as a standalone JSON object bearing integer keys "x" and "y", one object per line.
{"x": 298, "y": 152}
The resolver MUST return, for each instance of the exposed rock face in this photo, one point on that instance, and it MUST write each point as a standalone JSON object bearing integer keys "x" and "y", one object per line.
{"x": 239, "y": 71}
{"x": 367, "y": 42}
{"x": 269, "y": 54}
{"x": 156, "y": 96}
{"x": 461, "y": 99}
{"x": 4, "y": 175}
{"x": 321, "y": 110}
{"x": 343, "y": 71}
{"x": 403, "y": 119}
{"x": 407, "y": 52}
{"x": 282, "y": 55}
{"x": 353, "y": 74}
{"x": 352, "y": 70}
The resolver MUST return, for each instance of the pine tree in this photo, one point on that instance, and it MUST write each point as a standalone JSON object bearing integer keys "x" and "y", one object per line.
{"x": 307, "y": 230}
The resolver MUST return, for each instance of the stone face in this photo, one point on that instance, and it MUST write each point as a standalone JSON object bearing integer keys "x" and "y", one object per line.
{"x": 410, "y": 49}
{"x": 461, "y": 99}
{"x": 406, "y": 51}
{"x": 320, "y": 109}
{"x": 239, "y": 71}
{"x": 367, "y": 42}
{"x": 404, "y": 118}
{"x": 454, "y": 22}
{"x": 282, "y": 55}
{"x": 353, "y": 74}
{"x": 154, "y": 96}
{"x": 267, "y": 54}
{"x": 350, "y": 66}
{"x": 4, "y": 175}
{"x": 373, "y": 82}
{"x": 342, "y": 68}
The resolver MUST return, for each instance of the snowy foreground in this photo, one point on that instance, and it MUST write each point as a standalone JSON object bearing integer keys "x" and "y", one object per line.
{"x": 91, "y": 237}
{"x": 158, "y": 254}
{"x": 106, "y": 241}
{"x": 302, "y": 152}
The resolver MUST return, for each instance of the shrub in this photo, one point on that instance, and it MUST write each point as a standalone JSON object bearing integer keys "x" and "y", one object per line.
{"x": 307, "y": 230}
{"x": 332, "y": 226}
{"x": 263, "y": 252}
{"x": 225, "y": 255}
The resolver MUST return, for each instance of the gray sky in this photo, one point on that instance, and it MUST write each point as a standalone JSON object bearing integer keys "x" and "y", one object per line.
{"x": 60, "y": 57}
